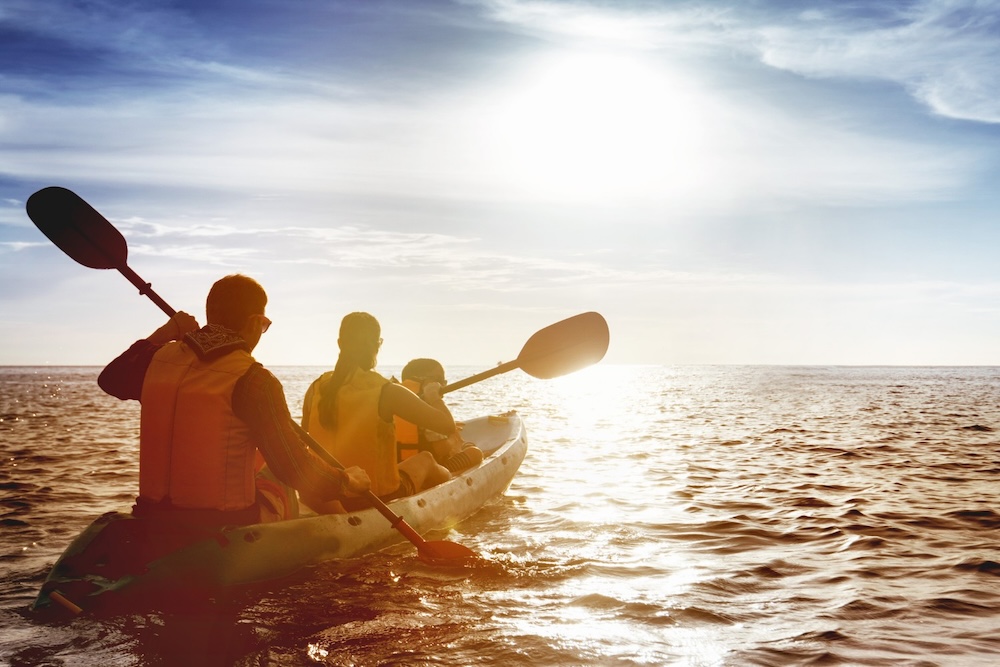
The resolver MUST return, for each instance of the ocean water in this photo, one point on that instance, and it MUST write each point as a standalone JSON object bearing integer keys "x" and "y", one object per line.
{"x": 663, "y": 516}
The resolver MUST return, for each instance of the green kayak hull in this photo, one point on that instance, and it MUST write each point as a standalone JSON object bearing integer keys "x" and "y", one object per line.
{"x": 119, "y": 559}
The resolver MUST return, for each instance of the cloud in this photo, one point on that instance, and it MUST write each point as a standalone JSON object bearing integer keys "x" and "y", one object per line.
{"x": 15, "y": 246}
{"x": 231, "y": 122}
{"x": 458, "y": 264}
{"x": 635, "y": 25}
{"x": 942, "y": 52}
{"x": 68, "y": 38}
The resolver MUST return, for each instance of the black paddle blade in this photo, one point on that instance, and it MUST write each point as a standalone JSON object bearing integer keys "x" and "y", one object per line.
{"x": 566, "y": 346}
{"x": 77, "y": 229}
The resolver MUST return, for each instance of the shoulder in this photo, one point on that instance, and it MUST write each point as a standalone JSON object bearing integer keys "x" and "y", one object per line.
{"x": 319, "y": 383}
{"x": 257, "y": 369}
{"x": 322, "y": 379}
{"x": 361, "y": 380}
{"x": 393, "y": 395}
{"x": 394, "y": 389}
{"x": 257, "y": 380}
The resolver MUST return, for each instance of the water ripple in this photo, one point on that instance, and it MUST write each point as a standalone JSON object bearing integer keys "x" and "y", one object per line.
{"x": 686, "y": 515}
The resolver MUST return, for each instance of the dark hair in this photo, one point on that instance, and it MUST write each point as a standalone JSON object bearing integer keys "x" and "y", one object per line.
{"x": 233, "y": 299}
{"x": 423, "y": 369}
{"x": 359, "y": 342}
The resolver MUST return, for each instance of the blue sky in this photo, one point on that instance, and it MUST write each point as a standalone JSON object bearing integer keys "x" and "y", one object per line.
{"x": 747, "y": 182}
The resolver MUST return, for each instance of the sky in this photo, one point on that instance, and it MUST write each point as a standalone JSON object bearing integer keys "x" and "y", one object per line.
{"x": 756, "y": 182}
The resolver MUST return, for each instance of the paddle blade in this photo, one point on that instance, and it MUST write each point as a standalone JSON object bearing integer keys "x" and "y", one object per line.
{"x": 79, "y": 230}
{"x": 444, "y": 553}
{"x": 566, "y": 346}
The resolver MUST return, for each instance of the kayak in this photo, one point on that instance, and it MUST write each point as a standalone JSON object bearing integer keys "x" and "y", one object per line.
{"x": 120, "y": 558}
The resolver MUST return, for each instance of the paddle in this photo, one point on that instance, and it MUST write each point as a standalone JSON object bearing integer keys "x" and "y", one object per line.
{"x": 87, "y": 237}
{"x": 558, "y": 349}
{"x": 438, "y": 552}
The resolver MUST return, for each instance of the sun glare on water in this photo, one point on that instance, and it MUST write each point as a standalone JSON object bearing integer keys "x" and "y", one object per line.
{"x": 589, "y": 124}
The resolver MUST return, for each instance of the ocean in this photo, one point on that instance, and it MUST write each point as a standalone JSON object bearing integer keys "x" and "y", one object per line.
{"x": 695, "y": 516}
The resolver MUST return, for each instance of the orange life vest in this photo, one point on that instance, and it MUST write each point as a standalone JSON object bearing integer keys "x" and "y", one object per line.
{"x": 195, "y": 453}
{"x": 407, "y": 433}
{"x": 361, "y": 438}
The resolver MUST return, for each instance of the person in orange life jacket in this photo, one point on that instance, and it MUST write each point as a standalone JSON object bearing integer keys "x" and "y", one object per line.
{"x": 207, "y": 408}
{"x": 350, "y": 411}
{"x": 425, "y": 377}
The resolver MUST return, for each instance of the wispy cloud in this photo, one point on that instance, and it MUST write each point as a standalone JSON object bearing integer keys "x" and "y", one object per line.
{"x": 84, "y": 43}
{"x": 15, "y": 246}
{"x": 943, "y": 52}
{"x": 636, "y": 25}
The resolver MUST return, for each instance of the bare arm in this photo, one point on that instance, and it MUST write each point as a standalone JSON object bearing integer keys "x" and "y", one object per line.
{"x": 259, "y": 400}
{"x": 429, "y": 412}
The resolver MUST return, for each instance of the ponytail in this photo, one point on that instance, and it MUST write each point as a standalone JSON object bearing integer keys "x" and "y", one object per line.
{"x": 359, "y": 343}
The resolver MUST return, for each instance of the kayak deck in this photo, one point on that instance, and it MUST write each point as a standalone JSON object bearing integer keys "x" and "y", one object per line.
{"x": 121, "y": 555}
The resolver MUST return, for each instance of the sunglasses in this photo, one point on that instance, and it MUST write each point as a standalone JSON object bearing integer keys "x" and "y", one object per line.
{"x": 424, "y": 380}
{"x": 265, "y": 323}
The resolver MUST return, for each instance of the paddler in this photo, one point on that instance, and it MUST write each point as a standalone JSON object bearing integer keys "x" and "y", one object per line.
{"x": 425, "y": 377}
{"x": 207, "y": 409}
{"x": 350, "y": 411}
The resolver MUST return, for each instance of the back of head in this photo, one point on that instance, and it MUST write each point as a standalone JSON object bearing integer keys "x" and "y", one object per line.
{"x": 359, "y": 340}
{"x": 233, "y": 299}
{"x": 423, "y": 369}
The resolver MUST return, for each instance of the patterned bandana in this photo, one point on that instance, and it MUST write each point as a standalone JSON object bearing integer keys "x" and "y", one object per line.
{"x": 213, "y": 341}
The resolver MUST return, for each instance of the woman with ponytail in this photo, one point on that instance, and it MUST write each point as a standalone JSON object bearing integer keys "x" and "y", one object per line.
{"x": 350, "y": 412}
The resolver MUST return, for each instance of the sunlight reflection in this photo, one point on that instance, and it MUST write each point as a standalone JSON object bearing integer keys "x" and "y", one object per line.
{"x": 617, "y": 486}
{"x": 316, "y": 653}
{"x": 602, "y": 392}
{"x": 609, "y": 628}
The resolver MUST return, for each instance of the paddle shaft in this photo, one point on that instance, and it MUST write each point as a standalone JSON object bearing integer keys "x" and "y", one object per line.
{"x": 397, "y": 521}
{"x": 146, "y": 289}
{"x": 478, "y": 377}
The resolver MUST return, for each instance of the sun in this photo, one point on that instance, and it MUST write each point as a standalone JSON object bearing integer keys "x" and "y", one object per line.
{"x": 591, "y": 124}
